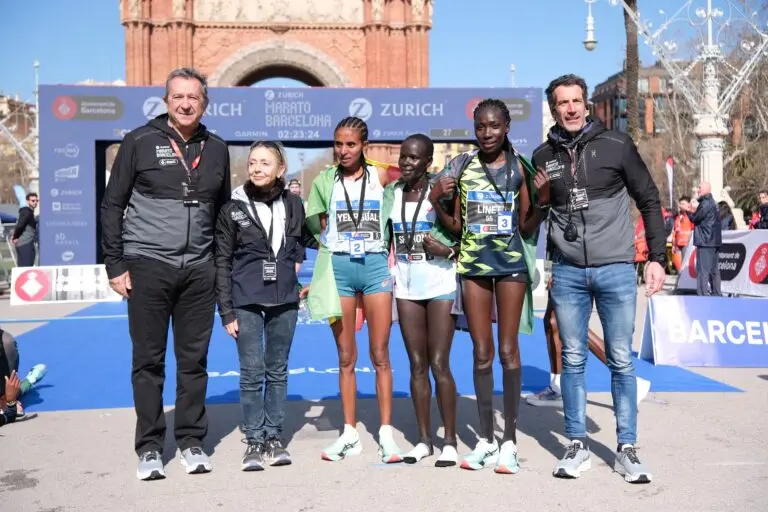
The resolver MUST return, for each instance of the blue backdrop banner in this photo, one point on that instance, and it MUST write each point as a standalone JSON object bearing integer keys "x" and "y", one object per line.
{"x": 74, "y": 118}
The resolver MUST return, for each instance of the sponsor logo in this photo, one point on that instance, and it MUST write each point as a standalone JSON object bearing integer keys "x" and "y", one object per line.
{"x": 758, "y": 266}
{"x": 70, "y": 150}
{"x": 67, "y": 256}
{"x": 412, "y": 109}
{"x": 58, "y": 206}
{"x": 54, "y": 192}
{"x": 269, "y": 95}
{"x": 731, "y": 258}
{"x": 165, "y": 162}
{"x": 67, "y": 173}
{"x": 519, "y": 109}
{"x": 66, "y": 224}
{"x": 62, "y": 239}
{"x": 250, "y": 133}
{"x": 87, "y": 108}
{"x": 64, "y": 108}
{"x": 155, "y": 106}
{"x": 361, "y": 107}
{"x": 32, "y": 285}
{"x": 164, "y": 152}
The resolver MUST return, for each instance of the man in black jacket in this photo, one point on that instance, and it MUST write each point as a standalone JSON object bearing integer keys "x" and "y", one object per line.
{"x": 707, "y": 237}
{"x": 170, "y": 178}
{"x": 25, "y": 233}
{"x": 593, "y": 173}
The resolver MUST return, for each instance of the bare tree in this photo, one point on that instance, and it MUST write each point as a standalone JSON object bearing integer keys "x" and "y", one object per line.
{"x": 631, "y": 72}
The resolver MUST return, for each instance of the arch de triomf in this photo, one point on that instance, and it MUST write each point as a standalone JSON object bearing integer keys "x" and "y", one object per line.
{"x": 331, "y": 43}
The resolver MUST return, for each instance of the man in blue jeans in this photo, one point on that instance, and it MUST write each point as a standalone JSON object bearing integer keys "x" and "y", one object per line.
{"x": 593, "y": 173}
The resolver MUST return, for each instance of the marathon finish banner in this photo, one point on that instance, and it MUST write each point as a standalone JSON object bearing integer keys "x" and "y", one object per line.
{"x": 50, "y": 285}
{"x": 74, "y": 118}
{"x": 692, "y": 331}
{"x": 743, "y": 264}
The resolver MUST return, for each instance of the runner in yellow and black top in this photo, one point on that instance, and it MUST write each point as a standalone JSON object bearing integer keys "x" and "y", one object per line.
{"x": 491, "y": 212}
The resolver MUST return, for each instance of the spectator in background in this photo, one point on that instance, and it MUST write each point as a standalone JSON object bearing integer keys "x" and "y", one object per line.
{"x": 681, "y": 233}
{"x": 294, "y": 186}
{"x": 760, "y": 217}
{"x": 707, "y": 238}
{"x": 25, "y": 233}
{"x": 727, "y": 222}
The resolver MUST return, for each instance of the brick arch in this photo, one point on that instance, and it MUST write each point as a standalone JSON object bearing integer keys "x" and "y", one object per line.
{"x": 287, "y": 58}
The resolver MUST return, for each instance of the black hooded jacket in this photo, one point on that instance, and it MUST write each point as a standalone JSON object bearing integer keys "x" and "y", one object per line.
{"x": 146, "y": 184}
{"x": 611, "y": 170}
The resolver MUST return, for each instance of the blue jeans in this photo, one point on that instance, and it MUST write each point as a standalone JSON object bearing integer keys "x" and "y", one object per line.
{"x": 613, "y": 289}
{"x": 264, "y": 367}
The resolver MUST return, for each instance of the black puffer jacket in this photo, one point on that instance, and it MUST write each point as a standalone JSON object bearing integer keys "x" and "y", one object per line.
{"x": 707, "y": 229}
{"x": 242, "y": 248}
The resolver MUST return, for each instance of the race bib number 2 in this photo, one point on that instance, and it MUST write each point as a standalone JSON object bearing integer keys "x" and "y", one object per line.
{"x": 357, "y": 246}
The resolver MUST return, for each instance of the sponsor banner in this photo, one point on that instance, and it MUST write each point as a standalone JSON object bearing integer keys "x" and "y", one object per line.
{"x": 48, "y": 285}
{"x": 75, "y": 120}
{"x": 686, "y": 330}
{"x": 305, "y": 114}
{"x": 743, "y": 264}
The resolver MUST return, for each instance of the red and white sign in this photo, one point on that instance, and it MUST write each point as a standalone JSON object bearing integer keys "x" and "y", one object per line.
{"x": 32, "y": 285}
{"x": 743, "y": 262}
{"x": 49, "y": 285}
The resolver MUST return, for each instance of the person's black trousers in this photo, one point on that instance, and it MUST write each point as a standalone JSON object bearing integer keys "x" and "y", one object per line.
{"x": 161, "y": 292}
{"x": 25, "y": 255}
{"x": 707, "y": 271}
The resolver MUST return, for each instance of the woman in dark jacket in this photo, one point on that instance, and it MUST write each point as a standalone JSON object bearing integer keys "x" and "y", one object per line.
{"x": 726, "y": 217}
{"x": 260, "y": 239}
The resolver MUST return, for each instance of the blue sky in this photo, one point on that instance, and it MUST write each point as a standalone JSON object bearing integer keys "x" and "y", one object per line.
{"x": 79, "y": 39}
{"x": 75, "y": 40}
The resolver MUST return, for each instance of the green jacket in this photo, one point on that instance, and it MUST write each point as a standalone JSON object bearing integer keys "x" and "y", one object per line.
{"x": 323, "y": 299}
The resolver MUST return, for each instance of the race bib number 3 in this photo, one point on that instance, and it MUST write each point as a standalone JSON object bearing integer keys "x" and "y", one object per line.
{"x": 504, "y": 223}
{"x": 357, "y": 246}
{"x": 483, "y": 209}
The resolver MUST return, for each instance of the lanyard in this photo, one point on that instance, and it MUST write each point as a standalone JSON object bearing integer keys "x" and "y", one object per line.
{"x": 261, "y": 226}
{"x": 409, "y": 240}
{"x": 362, "y": 199}
{"x": 195, "y": 162}
{"x": 507, "y": 174}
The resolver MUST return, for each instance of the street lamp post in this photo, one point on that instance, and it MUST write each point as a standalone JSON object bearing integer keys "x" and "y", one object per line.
{"x": 34, "y": 181}
{"x": 712, "y": 98}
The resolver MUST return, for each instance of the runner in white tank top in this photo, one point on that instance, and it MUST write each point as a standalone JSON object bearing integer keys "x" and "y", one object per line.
{"x": 418, "y": 274}
{"x": 341, "y": 224}
{"x": 425, "y": 287}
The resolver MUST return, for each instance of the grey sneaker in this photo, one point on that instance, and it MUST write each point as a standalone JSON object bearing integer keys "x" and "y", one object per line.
{"x": 548, "y": 397}
{"x": 195, "y": 461}
{"x": 629, "y": 466}
{"x": 575, "y": 461}
{"x": 253, "y": 459}
{"x": 275, "y": 454}
{"x": 150, "y": 466}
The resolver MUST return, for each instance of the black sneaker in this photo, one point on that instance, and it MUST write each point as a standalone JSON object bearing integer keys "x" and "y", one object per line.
{"x": 275, "y": 454}
{"x": 253, "y": 459}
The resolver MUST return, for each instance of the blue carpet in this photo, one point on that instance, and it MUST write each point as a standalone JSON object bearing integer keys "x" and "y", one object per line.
{"x": 89, "y": 357}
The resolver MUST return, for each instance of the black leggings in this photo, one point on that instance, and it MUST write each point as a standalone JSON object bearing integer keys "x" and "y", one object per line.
{"x": 477, "y": 294}
{"x": 427, "y": 327}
